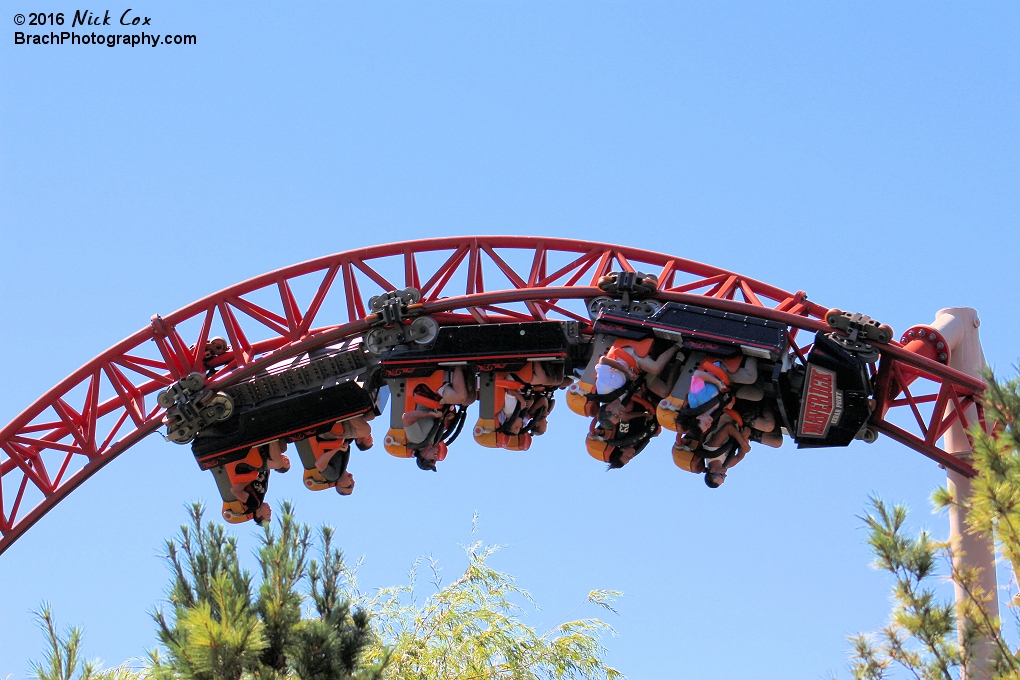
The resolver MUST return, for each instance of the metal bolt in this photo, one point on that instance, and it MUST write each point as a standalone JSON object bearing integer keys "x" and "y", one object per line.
{"x": 943, "y": 356}
{"x": 940, "y": 345}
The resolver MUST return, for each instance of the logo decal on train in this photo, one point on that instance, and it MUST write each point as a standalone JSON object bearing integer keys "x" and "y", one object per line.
{"x": 822, "y": 405}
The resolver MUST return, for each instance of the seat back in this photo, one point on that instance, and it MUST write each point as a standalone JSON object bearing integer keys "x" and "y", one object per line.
{"x": 223, "y": 483}
{"x": 598, "y": 448}
{"x": 578, "y": 392}
{"x": 310, "y": 450}
{"x": 404, "y": 400}
{"x": 667, "y": 409}
{"x": 252, "y": 460}
{"x": 492, "y": 391}
{"x": 226, "y": 476}
{"x": 485, "y": 428}
{"x": 686, "y": 460}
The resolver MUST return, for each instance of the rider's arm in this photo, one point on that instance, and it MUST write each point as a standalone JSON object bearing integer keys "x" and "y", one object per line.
{"x": 746, "y": 374}
{"x": 239, "y": 492}
{"x": 276, "y": 458}
{"x": 710, "y": 378}
{"x": 655, "y": 366}
{"x": 740, "y": 435}
{"x": 355, "y": 428}
{"x": 414, "y": 416}
{"x": 454, "y": 392}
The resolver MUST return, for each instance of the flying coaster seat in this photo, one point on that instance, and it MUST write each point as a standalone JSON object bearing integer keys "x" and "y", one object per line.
{"x": 688, "y": 453}
{"x": 692, "y": 461}
{"x": 636, "y": 432}
{"x": 312, "y": 448}
{"x": 582, "y": 392}
{"x": 492, "y": 390}
{"x": 668, "y": 409}
{"x": 334, "y": 439}
{"x": 597, "y": 447}
{"x": 577, "y": 393}
{"x": 406, "y": 398}
{"x": 241, "y": 470}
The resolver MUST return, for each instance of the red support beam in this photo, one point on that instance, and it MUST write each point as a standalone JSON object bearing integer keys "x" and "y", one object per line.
{"x": 52, "y": 424}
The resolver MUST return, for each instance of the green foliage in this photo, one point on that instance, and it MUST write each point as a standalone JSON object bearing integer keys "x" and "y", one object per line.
{"x": 994, "y": 506}
{"x": 306, "y": 620}
{"x": 921, "y": 633}
{"x": 64, "y": 659}
{"x": 921, "y": 636}
{"x": 472, "y": 628}
{"x": 331, "y": 645}
{"x": 220, "y": 630}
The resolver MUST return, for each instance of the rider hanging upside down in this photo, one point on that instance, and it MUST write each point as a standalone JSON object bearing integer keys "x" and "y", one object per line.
{"x": 334, "y": 452}
{"x": 619, "y": 444}
{"x": 251, "y": 483}
{"x": 434, "y": 415}
{"x": 524, "y": 410}
{"x": 625, "y": 361}
{"x": 715, "y": 377}
{"x": 617, "y": 376}
{"x": 727, "y": 445}
{"x": 711, "y": 432}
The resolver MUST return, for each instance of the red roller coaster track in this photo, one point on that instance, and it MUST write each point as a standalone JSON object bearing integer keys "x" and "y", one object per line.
{"x": 108, "y": 405}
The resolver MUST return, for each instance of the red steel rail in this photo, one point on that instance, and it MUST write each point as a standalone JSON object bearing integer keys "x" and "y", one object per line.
{"x": 108, "y": 405}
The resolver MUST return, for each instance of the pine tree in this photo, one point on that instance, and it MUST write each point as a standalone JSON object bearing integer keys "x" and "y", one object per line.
{"x": 64, "y": 660}
{"x": 220, "y": 630}
{"x": 921, "y": 636}
{"x": 305, "y": 619}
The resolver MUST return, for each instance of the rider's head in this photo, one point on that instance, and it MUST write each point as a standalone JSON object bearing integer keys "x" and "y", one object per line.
{"x": 609, "y": 415}
{"x": 345, "y": 485}
{"x": 263, "y": 514}
{"x": 716, "y": 474}
{"x": 694, "y": 423}
{"x": 714, "y": 479}
{"x": 430, "y": 455}
{"x": 515, "y": 425}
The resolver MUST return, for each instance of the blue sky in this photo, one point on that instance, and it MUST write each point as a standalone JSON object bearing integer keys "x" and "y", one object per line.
{"x": 863, "y": 152}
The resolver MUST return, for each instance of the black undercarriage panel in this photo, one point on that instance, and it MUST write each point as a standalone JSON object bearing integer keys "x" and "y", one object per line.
{"x": 303, "y": 414}
{"x": 702, "y": 329}
{"x": 488, "y": 347}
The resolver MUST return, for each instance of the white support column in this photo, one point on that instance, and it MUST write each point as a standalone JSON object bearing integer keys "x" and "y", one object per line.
{"x": 959, "y": 327}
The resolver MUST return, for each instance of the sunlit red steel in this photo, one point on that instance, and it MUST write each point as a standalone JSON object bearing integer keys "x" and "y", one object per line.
{"x": 109, "y": 404}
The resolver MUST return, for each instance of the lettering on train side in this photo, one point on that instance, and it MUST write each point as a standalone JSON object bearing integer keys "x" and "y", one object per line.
{"x": 819, "y": 402}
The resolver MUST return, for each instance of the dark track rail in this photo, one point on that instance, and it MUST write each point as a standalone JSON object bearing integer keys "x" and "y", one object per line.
{"x": 108, "y": 405}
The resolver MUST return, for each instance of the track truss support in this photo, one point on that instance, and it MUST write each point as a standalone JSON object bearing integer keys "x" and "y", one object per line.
{"x": 109, "y": 404}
